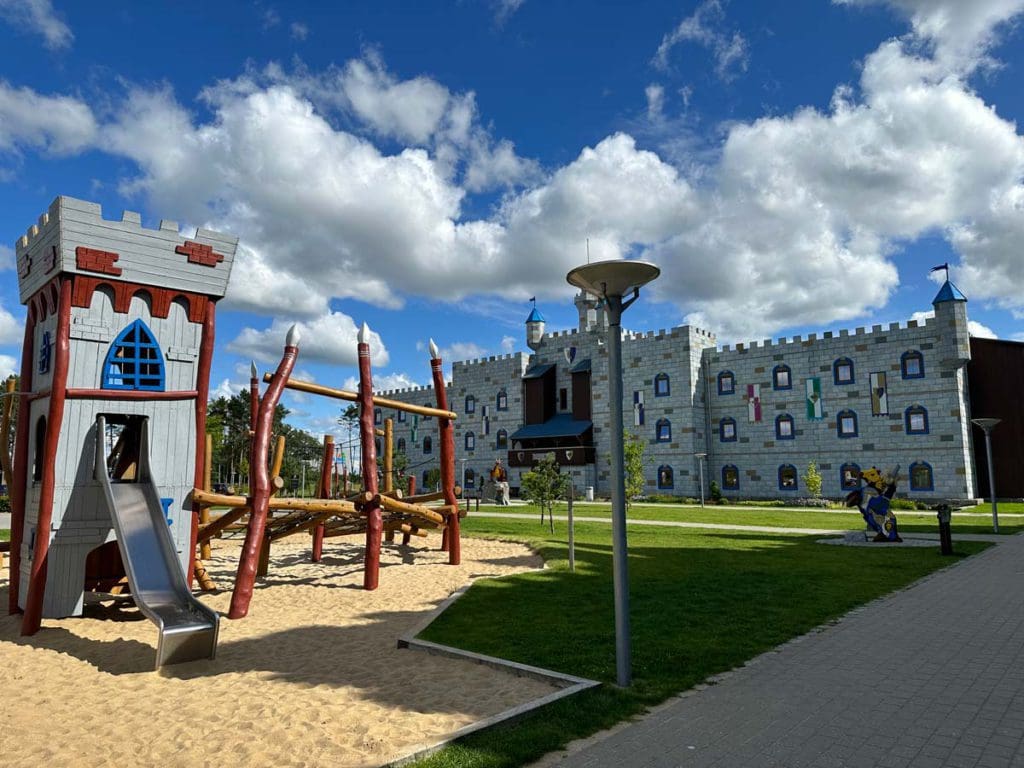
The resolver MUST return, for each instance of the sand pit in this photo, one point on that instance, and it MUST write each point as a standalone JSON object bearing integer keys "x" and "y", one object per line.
{"x": 312, "y": 677}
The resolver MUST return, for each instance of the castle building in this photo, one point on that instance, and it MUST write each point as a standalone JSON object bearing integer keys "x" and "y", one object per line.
{"x": 750, "y": 417}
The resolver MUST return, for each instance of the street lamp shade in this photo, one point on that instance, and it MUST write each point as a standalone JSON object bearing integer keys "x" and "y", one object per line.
{"x": 986, "y": 424}
{"x": 615, "y": 277}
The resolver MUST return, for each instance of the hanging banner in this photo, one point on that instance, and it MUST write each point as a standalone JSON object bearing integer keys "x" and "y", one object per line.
{"x": 754, "y": 402}
{"x": 879, "y": 395}
{"x": 815, "y": 409}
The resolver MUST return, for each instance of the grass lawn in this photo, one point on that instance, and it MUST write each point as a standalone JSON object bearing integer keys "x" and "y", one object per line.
{"x": 909, "y": 521}
{"x": 5, "y": 535}
{"x": 702, "y": 602}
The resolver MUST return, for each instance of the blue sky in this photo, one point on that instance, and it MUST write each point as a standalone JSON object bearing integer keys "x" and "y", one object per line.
{"x": 428, "y": 167}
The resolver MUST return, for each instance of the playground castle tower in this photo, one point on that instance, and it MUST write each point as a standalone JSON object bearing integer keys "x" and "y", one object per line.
{"x": 120, "y": 323}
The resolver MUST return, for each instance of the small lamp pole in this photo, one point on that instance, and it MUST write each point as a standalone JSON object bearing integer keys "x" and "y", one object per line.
{"x": 987, "y": 425}
{"x": 700, "y": 474}
{"x": 610, "y": 281}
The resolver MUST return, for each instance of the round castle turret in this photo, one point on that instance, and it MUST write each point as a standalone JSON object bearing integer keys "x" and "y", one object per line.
{"x": 534, "y": 329}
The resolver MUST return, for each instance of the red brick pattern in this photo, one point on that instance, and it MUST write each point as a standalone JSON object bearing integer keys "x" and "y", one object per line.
{"x": 199, "y": 253}
{"x": 92, "y": 260}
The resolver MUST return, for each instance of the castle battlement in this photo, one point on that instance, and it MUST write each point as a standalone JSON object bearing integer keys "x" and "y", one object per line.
{"x": 490, "y": 359}
{"x": 789, "y": 344}
{"x": 73, "y": 237}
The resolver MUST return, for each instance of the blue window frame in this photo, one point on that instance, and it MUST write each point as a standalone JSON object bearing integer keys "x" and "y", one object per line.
{"x": 662, "y": 387}
{"x": 727, "y": 430}
{"x": 849, "y": 477}
{"x": 401, "y": 445}
{"x": 726, "y": 383}
{"x": 842, "y": 371}
{"x": 915, "y": 420}
{"x": 470, "y": 441}
{"x": 782, "y": 377}
{"x": 134, "y": 361}
{"x": 501, "y": 440}
{"x": 846, "y": 424}
{"x": 470, "y": 404}
{"x": 638, "y": 408}
{"x": 912, "y": 365}
{"x": 428, "y": 445}
{"x": 788, "y": 478}
{"x": 784, "y": 429}
{"x": 730, "y": 478}
{"x": 663, "y": 431}
{"x": 401, "y": 417}
{"x": 378, "y": 416}
{"x": 501, "y": 401}
{"x": 666, "y": 478}
{"x": 921, "y": 476}
{"x": 469, "y": 479}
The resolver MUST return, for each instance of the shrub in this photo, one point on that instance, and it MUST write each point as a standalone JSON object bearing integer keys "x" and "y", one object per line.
{"x": 759, "y": 503}
{"x": 716, "y": 492}
{"x": 908, "y": 504}
{"x": 5, "y": 505}
{"x": 820, "y": 503}
{"x": 812, "y": 480}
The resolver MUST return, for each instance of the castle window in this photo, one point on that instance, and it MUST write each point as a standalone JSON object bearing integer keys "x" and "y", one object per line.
{"x": 469, "y": 479}
{"x": 726, "y": 383}
{"x": 661, "y": 385}
{"x": 378, "y": 416}
{"x": 501, "y": 402}
{"x": 787, "y": 478}
{"x": 727, "y": 430}
{"x": 487, "y": 426}
{"x": 915, "y": 419}
{"x": 912, "y": 364}
{"x": 666, "y": 479}
{"x": 730, "y": 478}
{"x": 401, "y": 417}
{"x": 842, "y": 371}
{"x": 134, "y": 361}
{"x": 849, "y": 477}
{"x": 921, "y": 478}
{"x": 38, "y": 463}
{"x": 784, "y": 427}
{"x": 501, "y": 441}
{"x": 401, "y": 445}
{"x": 470, "y": 441}
{"x": 425, "y": 416}
{"x": 782, "y": 377}
{"x": 638, "y": 408}
{"x": 428, "y": 445}
{"x": 470, "y": 404}
{"x": 846, "y": 424}
{"x": 663, "y": 431}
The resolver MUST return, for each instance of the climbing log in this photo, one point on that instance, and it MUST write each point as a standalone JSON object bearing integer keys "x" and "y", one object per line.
{"x": 374, "y": 520}
{"x": 451, "y": 539}
{"x": 394, "y": 505}
{"x": 352, "y": 397}
{"x": 324, "y": 492}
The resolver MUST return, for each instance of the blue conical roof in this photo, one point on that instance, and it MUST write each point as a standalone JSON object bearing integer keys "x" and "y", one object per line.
{"x": 535, "y": 317}
{"x": 949, "y": 292}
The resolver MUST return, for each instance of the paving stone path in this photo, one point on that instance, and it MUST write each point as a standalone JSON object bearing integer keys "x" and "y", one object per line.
{"x": 930, "y": 676}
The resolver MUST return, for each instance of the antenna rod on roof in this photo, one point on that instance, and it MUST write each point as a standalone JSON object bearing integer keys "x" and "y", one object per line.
{"x": 588, "y": 250}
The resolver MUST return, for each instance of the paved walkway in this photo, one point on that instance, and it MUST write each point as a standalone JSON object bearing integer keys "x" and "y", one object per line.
{"x": 930, "y": 676}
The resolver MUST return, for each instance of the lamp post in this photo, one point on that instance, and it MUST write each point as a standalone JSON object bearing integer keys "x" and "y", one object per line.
{"x": 610, "y": 281}
{"x": 987, "y": 425}
{"x": 700, "y": 474}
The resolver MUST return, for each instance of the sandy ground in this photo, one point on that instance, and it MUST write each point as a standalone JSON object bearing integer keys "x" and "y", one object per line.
{"x": 312, "y": 677}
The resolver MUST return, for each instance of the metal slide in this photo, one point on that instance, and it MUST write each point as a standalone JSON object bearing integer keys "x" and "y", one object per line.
{"x": 188, "y": 629}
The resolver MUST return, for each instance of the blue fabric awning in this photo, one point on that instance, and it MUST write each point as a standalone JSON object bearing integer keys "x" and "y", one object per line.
{"x": 562, "y": 425}
{"x": 536, "y": 371}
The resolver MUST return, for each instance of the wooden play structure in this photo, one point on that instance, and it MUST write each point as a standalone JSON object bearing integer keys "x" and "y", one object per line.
{"x": 110, "y": 478}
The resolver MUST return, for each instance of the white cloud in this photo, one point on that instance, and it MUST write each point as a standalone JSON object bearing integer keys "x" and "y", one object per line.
{"x": 6, "y": 258}
{"x": 504, "y": 9}
{"x": 387, "y": 382}
{"x": 226, "y": 389}
{"x": 8, "y": 366}
{"x": 705, "y": 27}
{"x": 11, "y": 329}
{"x": 330, "y": 339}
{"x": 270, "y": 18}
{"x": 508, "y": 344}
{"x": 299, "y": 31}
{"x": 655, "y": 101}
{"x": 54, "y": 124}
{"x": 38, "y": 16}
{"x": 974, "y": 328}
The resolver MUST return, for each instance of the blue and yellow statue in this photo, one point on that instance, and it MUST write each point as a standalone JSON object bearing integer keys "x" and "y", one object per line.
{"x": 873, "y": 502}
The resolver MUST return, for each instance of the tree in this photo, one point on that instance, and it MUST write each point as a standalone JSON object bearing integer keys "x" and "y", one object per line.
{"x": 227, "y": 422}
{"x": 399, "y": 463}
{"x": 633, "y": 461}
{"x": 433, "y": 478}
{"x": 812, "y": 479}
{"x": 544, "y": 485}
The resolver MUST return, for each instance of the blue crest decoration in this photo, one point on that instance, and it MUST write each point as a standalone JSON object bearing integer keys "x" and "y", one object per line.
{"x": 45, "y": 352}
{"x": 570, "y": 354}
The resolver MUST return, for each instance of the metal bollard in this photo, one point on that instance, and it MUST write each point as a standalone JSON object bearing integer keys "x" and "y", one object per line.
{"x": 944, "y": 513}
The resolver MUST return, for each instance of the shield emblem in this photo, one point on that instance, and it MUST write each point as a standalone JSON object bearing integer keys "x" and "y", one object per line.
{"x": 568, "y": 455}
{"x": 570, "y": 354}
{"x": 520, "y": 455}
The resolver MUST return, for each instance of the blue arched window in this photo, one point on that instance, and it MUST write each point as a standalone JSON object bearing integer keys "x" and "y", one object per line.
{"x": 921, "y": 477}
{"x": 401, "y": 445}
{"x": 666, "y": 478}
{"x": 782, "y": 377}
{"x": 849, "y": 477}
{"x": 470, "y": 404}
{"x": 470, "y": 441}
{"x": 663, "y": 431}
{"x": 726, "y": 383}
{"x": 378, "y": 416}
{"x": 784, "y": 427}
{"x": 661, "y": 385}
{"x": 787, "y": 478}
{"x": 912, "y": 365}
{"x": 846, "y": 424}
{"x": 469, "y": 479}
{"x": 730, "y": 478}
{"x": 727, "y": 430}
{"x": 501, "y": 401}
{"x": 842, "y": 371}
{"x": 915, "y": 418}
{"x": 134, "y": 361}
{"x": 428, "y": 444}
{"x": 501, "y": 441}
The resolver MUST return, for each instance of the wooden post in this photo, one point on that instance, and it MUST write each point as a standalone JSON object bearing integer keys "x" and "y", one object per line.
{"x": 249, "y": 560}
{"x": 389, "y": 467}
{"x": 450, "y": 537}
{"x": 372, "y": 511}
{"x": 276, "y": 483}
{"x": 324, "y": 492}
{"x": 204, "y": 512}
{"x": 203, "y": 365}
{"x": 412, "y": 492}
{"x": 58, "y": 390}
